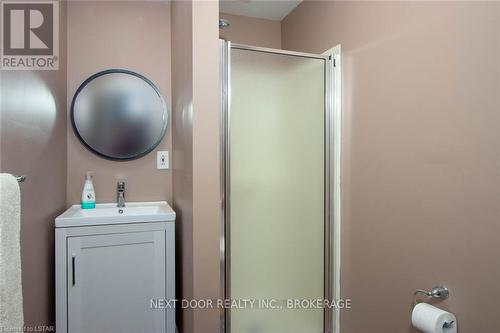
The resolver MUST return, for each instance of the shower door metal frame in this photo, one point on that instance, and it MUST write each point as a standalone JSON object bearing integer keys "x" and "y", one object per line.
{"x": 331, "y": 175}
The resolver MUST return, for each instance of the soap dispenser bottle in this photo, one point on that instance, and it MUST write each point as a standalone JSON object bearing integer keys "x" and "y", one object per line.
{"x": 88, "y": 193}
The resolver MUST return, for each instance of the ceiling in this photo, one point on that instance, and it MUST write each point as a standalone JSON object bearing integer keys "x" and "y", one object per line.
{"x": 267, "y": 9}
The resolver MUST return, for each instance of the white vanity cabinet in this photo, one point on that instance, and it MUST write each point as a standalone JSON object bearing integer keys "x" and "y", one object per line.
{"x": 107, "y": 275}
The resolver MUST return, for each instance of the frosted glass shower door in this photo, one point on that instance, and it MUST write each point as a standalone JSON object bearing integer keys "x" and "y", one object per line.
{"x": 276, "y": 189}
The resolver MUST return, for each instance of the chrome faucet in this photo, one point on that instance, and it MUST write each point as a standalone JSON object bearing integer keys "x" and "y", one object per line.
{"x": 120, "y": 194}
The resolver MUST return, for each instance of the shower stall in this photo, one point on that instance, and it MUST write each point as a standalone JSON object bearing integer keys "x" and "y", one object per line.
{"x": 280, "y": 114}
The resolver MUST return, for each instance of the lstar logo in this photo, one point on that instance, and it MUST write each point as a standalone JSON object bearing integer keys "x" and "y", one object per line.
{"x": 30, "y": 35}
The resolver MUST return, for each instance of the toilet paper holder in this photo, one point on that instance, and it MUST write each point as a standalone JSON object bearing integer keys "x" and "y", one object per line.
{"x": 437, "y": 292}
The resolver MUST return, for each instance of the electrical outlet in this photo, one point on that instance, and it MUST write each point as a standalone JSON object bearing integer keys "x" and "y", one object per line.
{"x": 162, "y": 160}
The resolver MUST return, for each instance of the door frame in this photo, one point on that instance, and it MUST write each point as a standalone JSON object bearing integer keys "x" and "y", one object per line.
{"x": 332, "y": 191}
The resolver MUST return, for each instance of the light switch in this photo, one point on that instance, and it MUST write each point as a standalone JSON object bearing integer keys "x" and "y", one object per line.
{"x": 162, "y": 160}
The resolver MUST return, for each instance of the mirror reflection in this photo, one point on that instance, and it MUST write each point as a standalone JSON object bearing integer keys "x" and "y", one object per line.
{"x": 119, "y": 114}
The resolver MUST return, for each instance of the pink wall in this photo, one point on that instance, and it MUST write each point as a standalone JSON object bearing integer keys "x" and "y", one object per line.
{"x": 196, "y": 198}
{"x": 252, "y": 31}
{"x": 134, "y": 35}
{"x": 421, "y": 180}
{"x": 182, "y": 138}
{"x": 206, "y": 145}
{"x": 33, "y": 143}
{"x": 38, "y": 141}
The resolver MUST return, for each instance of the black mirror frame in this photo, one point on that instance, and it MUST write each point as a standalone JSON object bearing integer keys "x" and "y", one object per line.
{"x": 121, "y": 71}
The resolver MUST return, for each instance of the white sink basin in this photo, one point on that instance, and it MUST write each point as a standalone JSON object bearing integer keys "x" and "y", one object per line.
{"x": 133, "y": 212}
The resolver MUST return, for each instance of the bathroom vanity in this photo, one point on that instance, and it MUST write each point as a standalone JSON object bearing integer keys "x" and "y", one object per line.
{"x": 111, "y": 263}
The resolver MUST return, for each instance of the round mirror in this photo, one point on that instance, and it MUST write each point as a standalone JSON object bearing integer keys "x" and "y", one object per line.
{"x": 119, "y": 114}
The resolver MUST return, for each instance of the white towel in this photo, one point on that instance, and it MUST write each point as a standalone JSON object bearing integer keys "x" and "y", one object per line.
{"x": 11, "y": 292}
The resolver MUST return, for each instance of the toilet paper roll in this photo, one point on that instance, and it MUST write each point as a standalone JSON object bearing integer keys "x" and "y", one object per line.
{"x": 430, "y": 319}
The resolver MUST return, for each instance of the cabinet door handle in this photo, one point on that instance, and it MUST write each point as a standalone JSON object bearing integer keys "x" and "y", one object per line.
{"x": 73, "y": 277}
